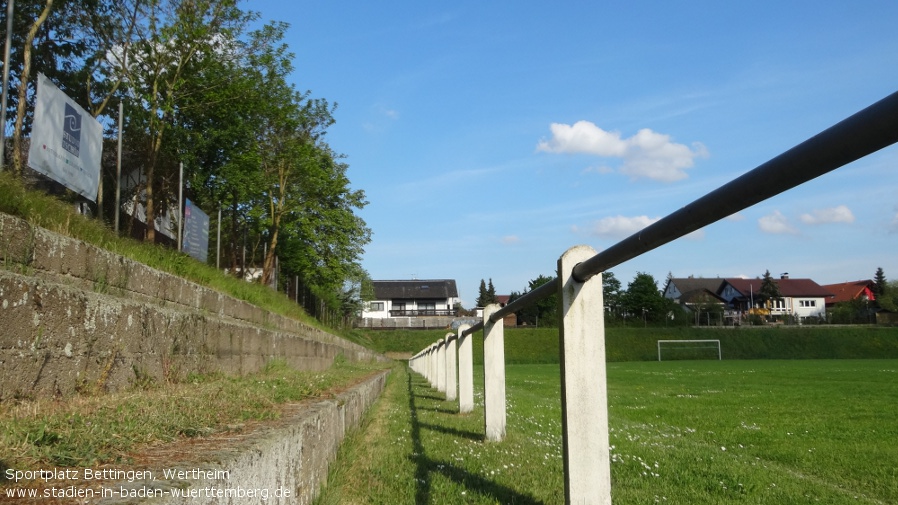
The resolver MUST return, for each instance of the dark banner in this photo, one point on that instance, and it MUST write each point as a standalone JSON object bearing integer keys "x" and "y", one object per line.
{"x": 196, "y": 232}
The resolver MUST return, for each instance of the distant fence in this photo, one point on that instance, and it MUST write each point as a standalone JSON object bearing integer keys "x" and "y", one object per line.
{"x": 448, "y": 363}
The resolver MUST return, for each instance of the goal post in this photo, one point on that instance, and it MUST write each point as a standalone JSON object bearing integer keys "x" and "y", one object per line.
{"x": 692, "y": 349}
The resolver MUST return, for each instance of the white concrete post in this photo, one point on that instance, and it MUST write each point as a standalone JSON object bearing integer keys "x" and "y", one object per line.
{"x": 441, "y": 366}
{"x": 465, "y": 371}
{"x": 451, "y": 370}
{"x": 493, "y": 375}
{"x": 431, "y": 364}
{"x": 584, "y": 391}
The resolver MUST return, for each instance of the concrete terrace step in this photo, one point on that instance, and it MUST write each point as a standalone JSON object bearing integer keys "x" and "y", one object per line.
{"x": 77, "y": 316}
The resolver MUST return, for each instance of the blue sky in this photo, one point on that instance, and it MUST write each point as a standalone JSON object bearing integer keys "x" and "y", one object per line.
{"x": 490, "y": 137}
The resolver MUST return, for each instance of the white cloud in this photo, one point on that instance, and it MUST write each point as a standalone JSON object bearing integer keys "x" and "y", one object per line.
{"x": 620, "y": 226}
{"x": 511, "y": 239}
{"x": 776, "y": 224}
{"x": 840, "y": 214}
{"x": 647, "y": 154}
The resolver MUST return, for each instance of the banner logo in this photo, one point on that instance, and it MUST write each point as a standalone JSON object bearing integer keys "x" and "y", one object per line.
{"x": 71, "y": 130}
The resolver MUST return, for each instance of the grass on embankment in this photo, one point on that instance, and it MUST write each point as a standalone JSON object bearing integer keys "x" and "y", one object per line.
{"x": 640, "y": 344}
{"x": 51, "y": 213}
{"x": 710, "y": 432}
{"x": 88, "y": 430}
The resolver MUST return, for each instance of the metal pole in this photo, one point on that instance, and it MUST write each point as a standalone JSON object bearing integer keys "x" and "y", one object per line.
{"x": 180, "y": 201}
{"x": 10, "y": 7}
{"x": 218, "y": 241}
{"x": 851, "y": 139}
{"x": 118, "y": 167}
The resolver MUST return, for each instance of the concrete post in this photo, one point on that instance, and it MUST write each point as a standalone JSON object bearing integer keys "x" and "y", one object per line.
{"x": 451, "y": 370}
{"x": 493, "y": 375}
{"x": 584, "y": 392}
{"x": 441, "y": 366}
{"x": 465, "y": 371}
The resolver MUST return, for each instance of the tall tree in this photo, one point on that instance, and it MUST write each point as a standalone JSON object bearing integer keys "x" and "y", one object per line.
{"x": 769, "y": 290}
{"x": 643, "y": 299}
{"x": 880, "y": 285}
{"x": 491, "y": 292}
{"x": 611, "y": 293}
{"x": 482, "y": 295}
{"x": 179, "y": 40}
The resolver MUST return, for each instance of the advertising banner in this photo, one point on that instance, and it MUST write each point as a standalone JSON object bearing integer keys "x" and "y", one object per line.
{"x": 66, "y": 141}
{"x": 196, "y": 232}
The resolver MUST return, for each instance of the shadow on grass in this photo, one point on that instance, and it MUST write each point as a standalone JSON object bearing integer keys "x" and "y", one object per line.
{"x": 425, "y": 466}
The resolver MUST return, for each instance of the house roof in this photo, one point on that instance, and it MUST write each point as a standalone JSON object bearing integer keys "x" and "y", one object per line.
{"x": 848, "y": 291}
{"x": 415, "y": 289}
{"x": 701, "y": 297}
{"x": 791, "y": 288}
{"x": 690, "y": 284}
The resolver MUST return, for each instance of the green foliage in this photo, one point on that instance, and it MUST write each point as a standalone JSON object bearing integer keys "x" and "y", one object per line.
{"x": 643, "y": 302}
{"x": 769, "y": 290}
{"x": 200, "y": 87}
{"x": 543, "y": 313}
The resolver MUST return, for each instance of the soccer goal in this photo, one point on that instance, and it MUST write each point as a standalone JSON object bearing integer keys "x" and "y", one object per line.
{"x": 689, "y": 349}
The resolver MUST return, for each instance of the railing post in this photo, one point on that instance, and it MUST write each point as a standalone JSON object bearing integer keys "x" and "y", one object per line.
{"x": 428, "y": 365}
{"x": 441, "y": 365}
{"x": 584, "y": 392}
{"x": 493, "y": 375}
{"x": 465, "y": 371}
{"x": 451, "y": 370}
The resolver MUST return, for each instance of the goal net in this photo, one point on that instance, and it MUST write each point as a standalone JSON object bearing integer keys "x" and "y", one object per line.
{"x": 689, "y": 349}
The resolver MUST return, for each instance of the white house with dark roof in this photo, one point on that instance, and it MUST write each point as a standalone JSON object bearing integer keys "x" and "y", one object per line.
{"x": 412, "y": 298}
{"x": 799, "y": 297}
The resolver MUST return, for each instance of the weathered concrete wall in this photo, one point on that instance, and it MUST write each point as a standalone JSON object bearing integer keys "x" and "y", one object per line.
{"x": 76, "y": 317}
{"x": 293, "y": 456}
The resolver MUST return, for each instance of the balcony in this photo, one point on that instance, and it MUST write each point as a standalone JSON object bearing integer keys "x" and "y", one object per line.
{"x": 424, "y": 312}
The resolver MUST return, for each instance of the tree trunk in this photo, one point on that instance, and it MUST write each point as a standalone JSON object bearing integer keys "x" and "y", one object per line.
{"x": 23, "y": 88}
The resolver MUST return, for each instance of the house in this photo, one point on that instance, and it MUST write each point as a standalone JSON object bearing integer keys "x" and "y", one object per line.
{"x": 847, "y": 291}
{"x": 801, "y": 298}
{"x": 412, "y": 298}
{"x": 698, "y": 295}
{"x": 693, "y": 293}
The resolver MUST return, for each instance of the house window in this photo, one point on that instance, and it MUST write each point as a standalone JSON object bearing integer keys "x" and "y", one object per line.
{"x": 427, "y": 306}
{"x": 376, "y": 307}
{"x": 398, "y": 305}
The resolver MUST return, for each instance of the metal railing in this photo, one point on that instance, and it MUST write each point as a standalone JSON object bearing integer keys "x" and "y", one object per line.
{"x": 423, "y": 312}
{"x": 861, "y": 134}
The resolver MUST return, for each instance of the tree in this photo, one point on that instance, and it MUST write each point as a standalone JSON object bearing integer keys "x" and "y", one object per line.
{"x": 643, "y": 300}
{"x": 482, "y": 295}
{"x": 769, "y": 290}
{"x": 179, "y": 40}
{"x": 544, "y": 312}
{"x": 491, "y": 292}
{"x": 611, "y": 294}
{"x": 880, "y": 285}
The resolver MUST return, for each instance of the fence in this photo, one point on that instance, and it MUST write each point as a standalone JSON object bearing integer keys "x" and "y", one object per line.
{"x": 584, "y": 404}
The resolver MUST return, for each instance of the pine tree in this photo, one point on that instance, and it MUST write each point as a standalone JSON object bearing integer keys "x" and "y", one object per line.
{"x": 482, "y": 296}
{"x": 491, "y": 293}
{"x": 880, "y": 286}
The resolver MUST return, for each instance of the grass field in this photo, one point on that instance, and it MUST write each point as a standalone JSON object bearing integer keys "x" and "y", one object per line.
{"x": 687, "y": 432}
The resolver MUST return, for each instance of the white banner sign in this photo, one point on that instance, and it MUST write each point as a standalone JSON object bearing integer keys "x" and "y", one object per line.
{"x": 66, "y": 141}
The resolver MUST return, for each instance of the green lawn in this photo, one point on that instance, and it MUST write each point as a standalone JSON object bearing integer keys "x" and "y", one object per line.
{"x": 760, "y": 432}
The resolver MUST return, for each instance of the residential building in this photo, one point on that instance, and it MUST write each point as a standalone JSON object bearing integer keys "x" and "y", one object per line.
{"x": 800, "y": 298}
{"x": 847, "y": 291}
{"x": 412, "y": 298}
